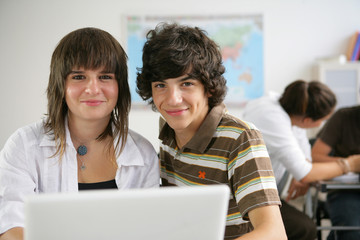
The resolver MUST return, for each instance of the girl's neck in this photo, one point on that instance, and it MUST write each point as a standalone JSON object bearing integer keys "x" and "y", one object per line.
{"x": 86, "y": 131}
{"x": 297, "y": 121}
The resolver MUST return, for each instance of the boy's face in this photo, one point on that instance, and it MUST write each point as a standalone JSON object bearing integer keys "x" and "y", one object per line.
{"x": 182, "y": 102}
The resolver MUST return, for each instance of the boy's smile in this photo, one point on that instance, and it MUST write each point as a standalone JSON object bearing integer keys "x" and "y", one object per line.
{"x": 183, "y": 103}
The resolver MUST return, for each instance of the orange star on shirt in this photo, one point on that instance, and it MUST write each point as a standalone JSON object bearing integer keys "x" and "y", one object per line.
{"x": 202, "y": 174}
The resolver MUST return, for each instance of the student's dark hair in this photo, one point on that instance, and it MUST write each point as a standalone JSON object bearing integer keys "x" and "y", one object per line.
{"x": 308, "y": 99}
{"x": 89, "y": 48}
{"x": 173, "y": 50}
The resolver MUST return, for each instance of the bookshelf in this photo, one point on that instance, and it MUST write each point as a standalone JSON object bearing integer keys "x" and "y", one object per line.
{"x": 343, "y": 79}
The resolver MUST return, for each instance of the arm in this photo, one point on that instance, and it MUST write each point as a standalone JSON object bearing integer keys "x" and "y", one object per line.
{"x": 323, "y": 171}
{"x": 327, "y": 167}
{"x": 328, "y": 170}
{"x": 17, "y": 179}
{"x": 267, "y": 224}
{"x": 320, "y": 152}
{"x": 261, "y": 197}
{"x": 296, "y": 189}
{"x": 16, "y": 233}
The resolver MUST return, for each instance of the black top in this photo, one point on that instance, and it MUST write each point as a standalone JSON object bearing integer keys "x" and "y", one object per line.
{"x": 342, "y": 132}
{"x": 98, "y": 185}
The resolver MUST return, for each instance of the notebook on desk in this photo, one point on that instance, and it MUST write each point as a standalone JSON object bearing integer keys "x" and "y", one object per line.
{"x": 350, "y": 177}
{"x": 162, "y": 214}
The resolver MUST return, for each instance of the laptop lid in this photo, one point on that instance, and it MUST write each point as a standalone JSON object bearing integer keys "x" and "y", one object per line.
{"x": 162, "y": 214}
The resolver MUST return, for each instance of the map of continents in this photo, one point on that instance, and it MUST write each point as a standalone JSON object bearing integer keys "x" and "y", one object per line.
{"x": 241, "y": 42}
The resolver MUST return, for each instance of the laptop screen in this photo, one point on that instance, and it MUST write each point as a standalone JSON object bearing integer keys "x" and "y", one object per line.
{"x": 197, "y": 212}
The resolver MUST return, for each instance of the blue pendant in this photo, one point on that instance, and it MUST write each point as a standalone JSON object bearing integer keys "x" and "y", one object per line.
{"x": 82, "y": 150}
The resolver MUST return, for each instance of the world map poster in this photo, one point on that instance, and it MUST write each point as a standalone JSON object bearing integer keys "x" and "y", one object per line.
{"x": 239, "y": 37}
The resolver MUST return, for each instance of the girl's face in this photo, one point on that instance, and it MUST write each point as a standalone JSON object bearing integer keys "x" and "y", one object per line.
{"x": 90, "y": 94}
{"x": 309, "y": 123}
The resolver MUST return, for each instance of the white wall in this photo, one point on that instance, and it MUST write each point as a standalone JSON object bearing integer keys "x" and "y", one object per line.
{"x": 296, "y": 33}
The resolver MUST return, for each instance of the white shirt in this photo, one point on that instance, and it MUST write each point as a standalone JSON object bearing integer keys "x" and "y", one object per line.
{"x": 288, "y": 145}
{"x": 27, "y": 168}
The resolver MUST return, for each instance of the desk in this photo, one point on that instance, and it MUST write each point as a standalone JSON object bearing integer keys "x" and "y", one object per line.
{"x": 323, "y": 186}
{"x": 349, "y": 181}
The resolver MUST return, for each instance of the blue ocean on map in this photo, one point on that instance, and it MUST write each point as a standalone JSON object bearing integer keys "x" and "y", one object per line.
{"x": 241, "y": 42}
{"x": 249, "y": 65}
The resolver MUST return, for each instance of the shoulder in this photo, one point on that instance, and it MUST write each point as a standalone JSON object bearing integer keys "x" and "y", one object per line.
{"x": 349, "y": 111}
{"x": 229, "y": 120}
{"x": 138, "y": 138}
{"x": 141, "y": 142}
{"x": 264, "y": 110}
{"x": 342, "y": 114}
{"x": 23, "y": 144}
{"x": 29, "y": 134}
{"x": 239, "y": 130}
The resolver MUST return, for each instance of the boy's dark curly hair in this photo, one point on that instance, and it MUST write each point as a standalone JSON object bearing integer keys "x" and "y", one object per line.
{"x": 173, "y": 50}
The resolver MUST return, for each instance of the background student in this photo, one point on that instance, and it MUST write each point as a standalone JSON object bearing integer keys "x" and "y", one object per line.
{"x": 339, "y": 141}
{"x": 282, "y": 120}
{"x": 84, "y": 141}
{"x": 182, "y": 77}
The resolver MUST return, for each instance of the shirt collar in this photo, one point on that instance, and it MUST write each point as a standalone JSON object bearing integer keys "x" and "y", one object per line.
{"x": 128, "y": 157}
{"x": 203, "y": 135}
{"x": 131, "y": 155}
{"x": 48, "y": 138}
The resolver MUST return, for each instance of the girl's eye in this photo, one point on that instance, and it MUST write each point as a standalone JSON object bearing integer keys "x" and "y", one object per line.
{"x": 78, "y": 77}
{"x": 106, "y": 77}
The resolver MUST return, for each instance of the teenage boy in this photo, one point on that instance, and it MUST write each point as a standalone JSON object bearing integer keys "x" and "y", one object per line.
{"x": 182, "y": 78}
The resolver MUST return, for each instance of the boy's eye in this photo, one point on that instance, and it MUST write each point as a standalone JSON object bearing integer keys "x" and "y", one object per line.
{"x": 159, "y": 85}
{"x": 187, "y": 84}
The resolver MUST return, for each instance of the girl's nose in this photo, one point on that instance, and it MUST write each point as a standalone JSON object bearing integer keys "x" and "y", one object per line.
{"x": 93, "y": 86}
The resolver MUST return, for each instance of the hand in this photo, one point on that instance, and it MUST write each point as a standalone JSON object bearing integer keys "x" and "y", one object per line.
{"x": 296, "y": 189}
{"x": 354, "y": 162}
{"x": 16, "y": 233}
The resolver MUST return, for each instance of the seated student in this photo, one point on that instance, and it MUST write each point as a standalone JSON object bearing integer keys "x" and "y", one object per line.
{"x": 282, "y": 120}
{"x": 340, "y": 136}
{"x": 84, "y": 142}
{"x": 182, "y": 77}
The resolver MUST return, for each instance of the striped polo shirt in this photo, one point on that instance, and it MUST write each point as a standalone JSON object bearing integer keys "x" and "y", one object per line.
{"x": 224, "y": 150}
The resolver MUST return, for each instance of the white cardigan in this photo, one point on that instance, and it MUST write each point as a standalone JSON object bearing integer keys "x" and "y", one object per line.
{"x": 288, "y": 145}
{"x": 26, "y": 168}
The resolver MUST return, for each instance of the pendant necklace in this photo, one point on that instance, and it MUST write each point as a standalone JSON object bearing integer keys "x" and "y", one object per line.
{"x": 82, "y": 150}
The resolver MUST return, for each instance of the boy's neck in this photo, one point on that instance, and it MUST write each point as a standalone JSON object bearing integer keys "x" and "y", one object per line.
{"x": 181, "y": 140}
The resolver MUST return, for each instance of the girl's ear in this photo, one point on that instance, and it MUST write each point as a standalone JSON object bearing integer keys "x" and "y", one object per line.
{"x": 307, "y": 120}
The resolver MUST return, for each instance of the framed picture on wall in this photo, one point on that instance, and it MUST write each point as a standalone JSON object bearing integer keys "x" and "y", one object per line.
{"x": 240, "y": 38}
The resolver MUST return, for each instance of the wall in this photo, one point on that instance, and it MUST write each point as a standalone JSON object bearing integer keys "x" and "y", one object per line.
{"x": 297, "y": 33}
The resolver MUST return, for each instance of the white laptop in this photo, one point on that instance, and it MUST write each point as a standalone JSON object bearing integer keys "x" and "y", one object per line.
{"x": 169, "y": 213}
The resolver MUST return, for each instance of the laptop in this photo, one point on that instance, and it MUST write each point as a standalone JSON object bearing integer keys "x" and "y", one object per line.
{"x": 168, "y": 213}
